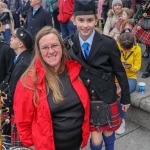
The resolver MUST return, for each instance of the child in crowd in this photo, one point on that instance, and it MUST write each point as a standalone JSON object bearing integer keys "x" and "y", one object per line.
{"x": 128, "y": 24}
{"x": 122, "y": 21}
{"x": 126, "y": 15}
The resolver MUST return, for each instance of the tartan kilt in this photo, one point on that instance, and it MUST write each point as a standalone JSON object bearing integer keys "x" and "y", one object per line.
{"x": 15, "y": 140}
{"x": 142, "y": 35}
{"x": 115, "y": 120}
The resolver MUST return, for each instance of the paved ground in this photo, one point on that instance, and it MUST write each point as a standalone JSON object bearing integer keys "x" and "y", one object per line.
{"x": 134, "y": 138}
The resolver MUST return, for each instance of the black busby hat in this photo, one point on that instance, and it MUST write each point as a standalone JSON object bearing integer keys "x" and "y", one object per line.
{"x": 25, "y": 37}
{"x": 85, "y": 7}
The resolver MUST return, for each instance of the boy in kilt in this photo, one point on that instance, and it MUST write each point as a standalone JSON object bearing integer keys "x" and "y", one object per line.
{"x": 22, "y": 43}
{"x": 100, "y": 60}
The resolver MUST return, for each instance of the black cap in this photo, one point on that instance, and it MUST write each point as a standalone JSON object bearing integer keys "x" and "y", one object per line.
{"x": 25, "y": 37}
{"x": 85, "y": 7}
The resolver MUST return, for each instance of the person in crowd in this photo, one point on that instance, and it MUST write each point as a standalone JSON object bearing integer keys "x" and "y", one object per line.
{"x": 37, "y": 17}
{"x": 55, "y": 98}
{"x": 7, "y": 56}
{"x": 100, "y": 59}
{"x": 6, "y": 22}
{"x": 143, "y": 35}
{"x": 22, "y": 43}
{"x": 128, "y": 24}
{"x": 15, "y": 6}
{"x": 126, "y": 15}
{"x": 100, "y": 4}
{"x": 54, "y": 13}
{"x": 65, "y": 17}
{"x": 24, "y": 10}
{"x": 113, "y": 15}
{"x": 131, "y": 58}
{"x": 105, "y": 5}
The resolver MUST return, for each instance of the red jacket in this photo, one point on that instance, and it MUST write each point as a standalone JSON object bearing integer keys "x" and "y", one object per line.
{"x": 34, "y": 124}
{"x": 65, "y": 10}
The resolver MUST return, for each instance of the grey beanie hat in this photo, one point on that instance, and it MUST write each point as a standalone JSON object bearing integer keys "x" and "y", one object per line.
{"x": 116, "y": 2}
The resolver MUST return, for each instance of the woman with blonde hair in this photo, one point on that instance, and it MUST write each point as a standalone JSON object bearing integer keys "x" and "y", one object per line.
{"x": 56, "y": 102}
{"x": 6, "y": 22}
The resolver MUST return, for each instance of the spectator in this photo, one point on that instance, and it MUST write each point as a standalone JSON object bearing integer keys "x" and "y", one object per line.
{"x": 113, "y": 15}
{"x": 21, "y": 42}
{"x": 143, "y": 35}
{"x": 24, "y": 10}
{"x": 128, "y": 24}
{"x": 15, "y": 6}
{"x": 56, "y": 101}
{"x": 54, "y": 13}
{"x": 126, "y": 15}
{"x": 65, "y": 17}
{"x": 131, "y": 58}
{"x": 37, "y": 17}
{"x": 7, "y": 22}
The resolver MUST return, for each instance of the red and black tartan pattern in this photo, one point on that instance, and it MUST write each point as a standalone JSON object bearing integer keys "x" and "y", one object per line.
{"x": 114, "y": 123}
{"x": 15, "y": 140}
{"x": 142, "y": 35}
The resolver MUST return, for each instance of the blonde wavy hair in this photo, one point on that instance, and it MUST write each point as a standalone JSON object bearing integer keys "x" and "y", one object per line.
{"x": 51, "y": 77}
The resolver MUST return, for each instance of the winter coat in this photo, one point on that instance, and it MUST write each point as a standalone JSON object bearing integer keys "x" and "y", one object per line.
{"x": 65, "y": 10}
{"x": 109, "y": 27}
{"x": 135, "y": 60}
{"x": 34, "y": 124}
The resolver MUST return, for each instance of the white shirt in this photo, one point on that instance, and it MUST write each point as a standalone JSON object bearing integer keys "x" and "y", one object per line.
{"x": 89, "y": 41}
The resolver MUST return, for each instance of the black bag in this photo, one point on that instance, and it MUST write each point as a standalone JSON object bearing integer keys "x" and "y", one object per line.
{"x": 100, "y": 113}
{"x": 55, "y": 6}
{"x": 145, "y": 24}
